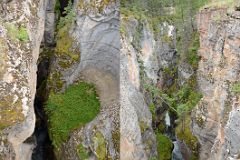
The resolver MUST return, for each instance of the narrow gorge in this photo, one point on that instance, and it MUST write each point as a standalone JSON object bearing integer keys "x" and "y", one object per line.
{"x": 119, "y": 80}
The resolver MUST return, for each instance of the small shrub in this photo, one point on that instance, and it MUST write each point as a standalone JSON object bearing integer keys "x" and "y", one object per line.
{"x": 69, "y": 18}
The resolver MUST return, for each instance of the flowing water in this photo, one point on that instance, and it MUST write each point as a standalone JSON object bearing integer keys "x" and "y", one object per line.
{"x": 169, "y": 121}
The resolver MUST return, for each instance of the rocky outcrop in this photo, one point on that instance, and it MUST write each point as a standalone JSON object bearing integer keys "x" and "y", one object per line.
{"x": 21, "y": 32}
{"x": 216, "y": 118}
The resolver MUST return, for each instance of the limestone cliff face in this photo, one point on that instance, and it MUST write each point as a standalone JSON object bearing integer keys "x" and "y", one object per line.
{"x": 21, "y": 31}
{"x": 217, "y": 116}
{"x": 137, "y": 136}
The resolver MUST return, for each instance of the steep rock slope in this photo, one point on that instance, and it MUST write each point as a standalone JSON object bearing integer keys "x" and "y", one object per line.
{"x": 21, "y": 31}
{"x": 217, "y": 116}
{"x": 144, "y": 55}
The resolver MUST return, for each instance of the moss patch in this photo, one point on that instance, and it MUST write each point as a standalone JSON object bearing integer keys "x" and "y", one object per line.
{"x": 65, "y": 43}
{"x": 82, "y": 152}
{"x": 55, "y": 82}
{"x": 100, "y": 146}
{"x": 10, "y": 113}
{"x": 70, "y": 110}
{"x": 164, "y": 147}
{"x": 16, "y": 33}
{"x": 235, "y": 88}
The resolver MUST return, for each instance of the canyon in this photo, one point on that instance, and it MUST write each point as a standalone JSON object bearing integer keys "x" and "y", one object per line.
{"x": 109, "y": 79}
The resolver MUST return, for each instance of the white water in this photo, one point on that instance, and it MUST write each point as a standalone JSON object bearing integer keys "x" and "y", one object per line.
{"x": 167, "y": 120}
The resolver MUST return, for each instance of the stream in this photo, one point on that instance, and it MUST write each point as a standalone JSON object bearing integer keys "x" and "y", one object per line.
{"x": 176, "y": 153}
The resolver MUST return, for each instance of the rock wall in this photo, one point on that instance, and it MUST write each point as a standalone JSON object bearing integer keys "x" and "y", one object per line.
{"x": 21, "y": 32}
{"x": 95, "y": 35}
{"x": 216, "y": 118}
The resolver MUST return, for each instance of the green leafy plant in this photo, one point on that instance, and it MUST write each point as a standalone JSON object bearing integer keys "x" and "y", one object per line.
{"x": 72, "y": 109}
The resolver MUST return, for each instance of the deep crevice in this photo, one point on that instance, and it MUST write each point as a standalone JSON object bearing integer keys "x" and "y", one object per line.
{"x": 44, "y": 148}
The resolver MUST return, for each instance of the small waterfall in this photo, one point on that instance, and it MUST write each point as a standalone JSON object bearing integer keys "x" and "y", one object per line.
{"x": 176, "y": 153}
{"x": 167, "y": 120}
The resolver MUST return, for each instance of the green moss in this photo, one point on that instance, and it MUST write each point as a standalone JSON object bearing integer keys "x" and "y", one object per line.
{"x": 55, "y": 82}
{"x": 143, "y": 126}
{"x": 82, "y": 152}
{"x": 14, "y": 33}
{"x": 10, "y": 113}
{"x": 64, "y": 63}
{"x": 65, "y": 44}
{"x": 161, "y": 127}
{"x": 184, "y": 133}
{"x": 23, "y": 34}
{"x": 164, "y": 147}
{"x": 235, "y": 88}
{"x": 100, "y": 146}
{"x": 70, "y": 110}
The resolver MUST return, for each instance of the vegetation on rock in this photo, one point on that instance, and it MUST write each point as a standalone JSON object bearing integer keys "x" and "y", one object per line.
{"x": 82, "y": 152}
{"x": 17, "y": 33}
{"x": 65, "y": 43}
{"x": 72, "y": 109}
{"x": 164, "y": 147}
{"x": 236, "y": 88}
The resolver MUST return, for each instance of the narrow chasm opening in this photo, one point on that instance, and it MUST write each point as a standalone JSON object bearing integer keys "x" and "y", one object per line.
{"x": 44, "y": 148}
